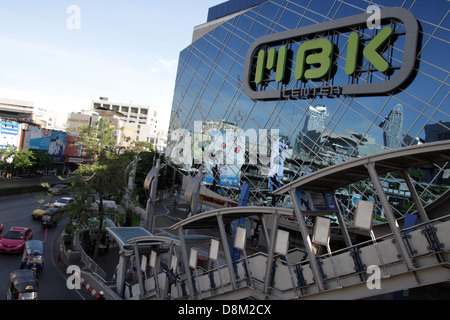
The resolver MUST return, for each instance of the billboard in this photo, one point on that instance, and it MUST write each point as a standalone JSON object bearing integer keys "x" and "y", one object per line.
{"x": 53, "y": 141}
{"x": 73, "y": 150}
{"x": 9, "y": 134}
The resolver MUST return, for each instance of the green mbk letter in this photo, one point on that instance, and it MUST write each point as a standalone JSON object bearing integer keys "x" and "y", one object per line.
{"x": 260, "y": 64}
{"x": 371, "y": 50}
{"x": 281, "y": 64}
{"x": 352, "y": 53}
{"x": 322, "y": 58}
{"x": 271, "y": 60}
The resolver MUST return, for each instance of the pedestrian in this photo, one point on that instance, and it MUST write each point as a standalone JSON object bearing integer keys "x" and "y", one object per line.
{"x": 115, "y": 273}
{"x": 132, "y": 268}
{"x": 107, "y": 241}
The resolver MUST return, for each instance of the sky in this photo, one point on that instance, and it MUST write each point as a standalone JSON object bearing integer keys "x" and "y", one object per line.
{"x": 63, "y": 54}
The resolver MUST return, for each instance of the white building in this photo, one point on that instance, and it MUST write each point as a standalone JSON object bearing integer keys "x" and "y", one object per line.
{"x": 140, "y": 123}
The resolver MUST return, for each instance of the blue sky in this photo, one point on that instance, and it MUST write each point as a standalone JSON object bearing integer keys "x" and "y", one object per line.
{"x": 125, "y": 50}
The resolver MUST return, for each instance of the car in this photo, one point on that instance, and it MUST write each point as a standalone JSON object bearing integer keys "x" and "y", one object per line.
{"x": 13, "y": 241}
{"x": 39, "y": 212}
{"x": 59, "y": 188}
{"x": 1, "y": 228}
{"x": 63, "y": 202}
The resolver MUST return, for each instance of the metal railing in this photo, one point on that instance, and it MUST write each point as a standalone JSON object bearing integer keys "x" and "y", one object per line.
{"x": 295, "y": 279}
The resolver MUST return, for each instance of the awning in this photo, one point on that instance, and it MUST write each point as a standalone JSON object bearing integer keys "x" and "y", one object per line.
{"x": 122, "y": 234}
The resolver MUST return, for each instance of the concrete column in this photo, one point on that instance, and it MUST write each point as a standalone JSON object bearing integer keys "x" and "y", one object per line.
{"x": 120, "y": 277}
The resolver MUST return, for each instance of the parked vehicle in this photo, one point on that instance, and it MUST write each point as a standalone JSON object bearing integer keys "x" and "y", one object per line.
{"x": 59, "y": 188}
{"x": 33, "y": 256}
{"x": 22, "y": 285}
{"x": 63, "y": 202}
{"x": 13, "y": 241}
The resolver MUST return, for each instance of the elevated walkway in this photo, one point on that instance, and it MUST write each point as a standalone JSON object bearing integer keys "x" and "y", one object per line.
{"x": 361, "y": 271}
{"x": 403, "y": 258}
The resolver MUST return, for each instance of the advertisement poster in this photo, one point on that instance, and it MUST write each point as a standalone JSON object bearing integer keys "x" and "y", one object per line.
{"x": 225, "y": 159}
{"x": 9, "y": 134}
{"x": 316, "y": 201}
{"x": 53, "y": 141}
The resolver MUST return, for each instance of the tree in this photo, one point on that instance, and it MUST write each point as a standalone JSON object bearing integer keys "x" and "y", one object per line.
{"x": 42, "y": 159}
{"x": 23, "y": 160}
{"x": 6, "y": 158}
{"x": 102, "y": 177}
{"x": 10, "y": 158}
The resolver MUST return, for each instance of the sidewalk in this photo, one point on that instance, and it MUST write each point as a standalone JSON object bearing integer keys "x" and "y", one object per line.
{"x": 27, "y": 181}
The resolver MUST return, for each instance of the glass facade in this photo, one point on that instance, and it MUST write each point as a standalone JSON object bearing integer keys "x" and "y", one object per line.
{"x": 314, "y": 131}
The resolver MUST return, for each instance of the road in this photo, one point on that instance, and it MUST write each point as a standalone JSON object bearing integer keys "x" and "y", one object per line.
{"x": 16, "y": 211}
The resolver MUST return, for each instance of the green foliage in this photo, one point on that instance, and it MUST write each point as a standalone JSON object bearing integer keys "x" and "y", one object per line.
{"x": 11, "y": 158}
{"x": 101, "y": 178}
{"x": 42, "y": 159}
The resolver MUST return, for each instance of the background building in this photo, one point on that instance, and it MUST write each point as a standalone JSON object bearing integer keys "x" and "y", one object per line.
{"x": 19, "y": 111}
{"x": 140, "y": 122}
{"x": 319, "y": 130}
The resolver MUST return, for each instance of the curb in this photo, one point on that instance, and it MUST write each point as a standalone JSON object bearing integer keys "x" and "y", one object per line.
{"x": 90, "y": 289}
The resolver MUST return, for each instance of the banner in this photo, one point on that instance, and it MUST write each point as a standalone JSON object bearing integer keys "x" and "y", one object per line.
{"x": 9, "y": 134}
{"x": 317, "y": 201}
{"x": 53, "y": 141}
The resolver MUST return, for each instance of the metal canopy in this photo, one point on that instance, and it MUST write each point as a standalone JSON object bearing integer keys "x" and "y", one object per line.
{"x": 156, "y": 239}
{"x": 122, "y": 235}
{"x": 341, "y": 175}
{"x": 209, "y": 219}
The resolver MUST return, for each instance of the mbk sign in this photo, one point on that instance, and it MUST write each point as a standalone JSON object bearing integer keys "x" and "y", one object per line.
{"x": 319, "y": 69}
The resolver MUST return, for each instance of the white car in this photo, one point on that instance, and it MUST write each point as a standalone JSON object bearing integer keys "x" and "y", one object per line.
{"x": 63, "y": 202}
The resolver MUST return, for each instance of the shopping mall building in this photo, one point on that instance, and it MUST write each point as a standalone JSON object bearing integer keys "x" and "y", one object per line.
{"x": 270, "y": 91}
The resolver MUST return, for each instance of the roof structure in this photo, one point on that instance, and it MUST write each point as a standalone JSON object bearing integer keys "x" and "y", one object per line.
{"x": 123, "y": 234}
{"x": 343, "y": 174}
{"x": 209, "y": 219}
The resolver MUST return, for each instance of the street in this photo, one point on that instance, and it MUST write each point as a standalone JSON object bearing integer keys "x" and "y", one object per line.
{"x": 16, "y": 211}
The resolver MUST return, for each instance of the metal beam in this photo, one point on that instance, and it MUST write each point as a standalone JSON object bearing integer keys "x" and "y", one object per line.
{"x": 271, "y": 249}
{"x": 186, "y": 261}
{"x": 400, "y": 245}
{"x": 423, "y": 215}
{"x": 306, "y": 240}
{"x": 226, "y": 250}
{"x": 342, "y": 225}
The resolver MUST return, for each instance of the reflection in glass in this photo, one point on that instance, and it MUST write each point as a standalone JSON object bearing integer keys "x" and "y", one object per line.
{"x": 316, "y": 132}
